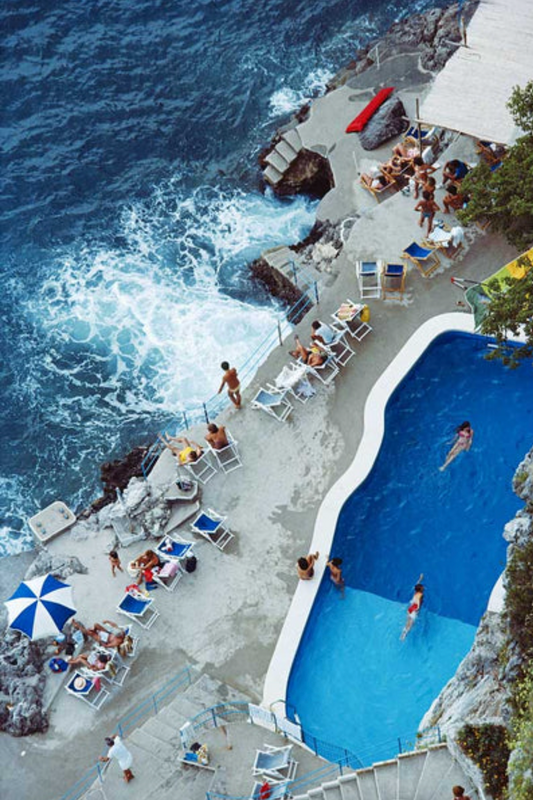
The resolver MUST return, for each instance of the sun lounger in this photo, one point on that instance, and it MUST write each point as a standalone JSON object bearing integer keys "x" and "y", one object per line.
{"x": 425, "y": 259}
{"x": 228, "y": 457}
{"x": 325, "y": 372}
{"x": 115, "y": 672}
{"x": 172, "y": 548}
{"x": 84, "y": 689}
{"x": 202, "y": 469}
{"x": 211, "y": 526}
{"x": 277, "y": 790}
{"x": 348, "y": 316}
{"x": 275, "y": 404}
{"x": 393, "y": 280}
{"x": 140, "y": 610}
{"x": 275, "y": 762}
{"x": 367, "y": 273}
{"x": 339, "y": 347}
{"x": 293, "y": 379}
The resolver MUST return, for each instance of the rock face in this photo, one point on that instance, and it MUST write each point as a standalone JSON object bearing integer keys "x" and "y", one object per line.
{"x": 59, "y": 566}
{"x": 143, "y": 512}
{"x": 21, "y": 686}
{"x": 116, "y": 475}
{"x": 309, "y": 174}
{"x": 388, "y": 121}
{"x": 277, "y": 284}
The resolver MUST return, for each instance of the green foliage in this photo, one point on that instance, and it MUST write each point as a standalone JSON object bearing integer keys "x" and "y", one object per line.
{"x": 486, "y": 745}
{"x": 511, "y": 310}
{"x": 504, "y": 197}
{"x": 521, "y": 773}
{"x": 519, "y": 599}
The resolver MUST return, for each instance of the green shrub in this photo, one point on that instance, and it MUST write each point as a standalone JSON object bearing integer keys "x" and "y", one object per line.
{"x": 519, "y": 599}
{"x": 486, "y": 745}
{"x": 521, "y": 772}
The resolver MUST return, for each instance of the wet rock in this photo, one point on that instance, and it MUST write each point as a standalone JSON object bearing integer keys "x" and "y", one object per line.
{"x": 116, "y": 475}
{"x": 388, "y": 121}
{"x": 309, "y": 174}
{"x": 21, "y": 686}
{"x": 277, "y": 284}
{"x": 59, "y": 566}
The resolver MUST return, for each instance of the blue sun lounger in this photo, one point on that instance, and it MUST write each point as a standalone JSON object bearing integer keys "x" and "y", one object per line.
{"x": 84, "y": 689}
{"x": 171, "y": 548}
{"x": 425, "y": 259}
{"x": 140, "y": 610}
{"x": 211, "y": 526}
{"x": 275, "y": 404}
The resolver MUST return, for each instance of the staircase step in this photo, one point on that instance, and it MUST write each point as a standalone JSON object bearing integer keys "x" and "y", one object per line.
{"x": 210, "y": 692}
{"x": 277, "y": 161}
{"x": 455, "y": 776}
{"x": 332, "y": 791}
{"x": 293, "y": 138}
{"x": 171, "y": 718}
{"x": 286, "y": 151}
{"x": 350, "y": 787}
{"x": 185, "y": 785}
{"x": 367, "y": 784}
{"x": 315, "y": 794}
{"x": 186, "y": 707}
{"x": 162, "y": 751}
{"x": 272, "y": 175}
{"x": 437, "y": 763}
{"x": 159, "y": 729}
{"x": 278, "y": 257}
{"x": 410, "y": 768}
{"x": 148, "y": 776}
{"x": 386, "y": 776}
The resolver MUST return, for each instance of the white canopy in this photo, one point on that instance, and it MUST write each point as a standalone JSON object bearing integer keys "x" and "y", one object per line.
{"x": 470, "y": 93}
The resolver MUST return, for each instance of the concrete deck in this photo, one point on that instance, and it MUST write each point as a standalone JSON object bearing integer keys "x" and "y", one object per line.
{"x": 227, "y": 616}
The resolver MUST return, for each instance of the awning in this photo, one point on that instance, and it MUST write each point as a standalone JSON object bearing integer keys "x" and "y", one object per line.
{"x": 471, "y": 91}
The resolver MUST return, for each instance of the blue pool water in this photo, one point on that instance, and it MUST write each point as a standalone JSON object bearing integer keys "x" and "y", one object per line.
{"x": 130, "y": 208}
{"x": 353, "y": 682}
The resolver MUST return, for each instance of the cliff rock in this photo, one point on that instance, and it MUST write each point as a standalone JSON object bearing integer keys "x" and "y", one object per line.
{"x": 390, "y": 120}
{"x": 21, "y": 686}
{"x": 59, "y": 566}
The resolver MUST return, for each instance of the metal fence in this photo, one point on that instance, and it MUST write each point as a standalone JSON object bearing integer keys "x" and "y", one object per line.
{"x": 148, "y": 707}
{"x": 212, "y": 407}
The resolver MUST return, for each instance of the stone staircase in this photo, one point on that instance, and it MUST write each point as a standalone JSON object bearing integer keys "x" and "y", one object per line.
{"x": 427, "y": 774}
{"x": 155, "y": 746}
{"x": 281, "y": 156}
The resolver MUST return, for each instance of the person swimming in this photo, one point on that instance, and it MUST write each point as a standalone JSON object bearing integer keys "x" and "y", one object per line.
{"x": 414, "y": 607}
{"x": 465, "y": 436}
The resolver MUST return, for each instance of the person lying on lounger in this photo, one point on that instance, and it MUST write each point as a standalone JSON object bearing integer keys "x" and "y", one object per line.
{"x": 187, "y": 454}
{"x": 101, "y": 634}
{"x": 378, "y": 181}
{"x": 314, "y": 357}
{"x": 406, "y": 151}
{"x": 414, "y": 607}
{"x": 96, "y": 662}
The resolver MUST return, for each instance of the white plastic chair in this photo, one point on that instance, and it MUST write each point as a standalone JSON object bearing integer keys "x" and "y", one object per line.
{"x": 275, "y": 404}
{"x": 227, "y": 458}
{"x": 202, "y": 469}
{"x": 275, "y": 762}
{"x": 367, "y": 273}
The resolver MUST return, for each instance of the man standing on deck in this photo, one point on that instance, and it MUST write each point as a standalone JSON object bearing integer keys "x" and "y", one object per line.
{"x": 231, "y": 380}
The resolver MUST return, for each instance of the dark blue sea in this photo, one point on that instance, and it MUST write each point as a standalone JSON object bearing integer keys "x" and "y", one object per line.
{"x": 130, "y": 206}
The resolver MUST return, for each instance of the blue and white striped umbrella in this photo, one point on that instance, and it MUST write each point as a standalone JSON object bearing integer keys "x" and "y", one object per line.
{"x": 40, "y": 607}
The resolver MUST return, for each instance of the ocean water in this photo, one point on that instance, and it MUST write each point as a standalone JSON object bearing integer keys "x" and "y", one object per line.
{"x": 408, "y": 518}
{"x": 129, "y": 209}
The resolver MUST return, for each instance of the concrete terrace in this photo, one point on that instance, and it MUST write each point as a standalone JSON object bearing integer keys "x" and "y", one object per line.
{"x": 226, "y": 617}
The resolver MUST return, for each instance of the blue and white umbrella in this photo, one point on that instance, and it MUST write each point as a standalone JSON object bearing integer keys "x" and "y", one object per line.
{"x": 40, "y": 607}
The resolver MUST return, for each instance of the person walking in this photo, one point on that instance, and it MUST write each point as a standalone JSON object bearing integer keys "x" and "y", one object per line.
{"x": 119, "y": 751}
{"x": 230, "y": 379}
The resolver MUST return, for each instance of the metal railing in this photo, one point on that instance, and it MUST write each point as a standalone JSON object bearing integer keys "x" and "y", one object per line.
{"x": 212, "y": 407}
{"x": 148, "y": 707}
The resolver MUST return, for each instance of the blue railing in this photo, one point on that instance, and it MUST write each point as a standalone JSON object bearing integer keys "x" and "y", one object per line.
{"x": 211, "y": 408}
{"x": 148, "y": 707}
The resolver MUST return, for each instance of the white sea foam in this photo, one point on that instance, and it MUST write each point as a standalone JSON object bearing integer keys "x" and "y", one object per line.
{"x": 286, "y": 99}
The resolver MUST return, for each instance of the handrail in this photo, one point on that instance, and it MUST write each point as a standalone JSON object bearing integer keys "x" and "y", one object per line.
{"x": 143, "y": 710}
{"x": 213, "y": 406}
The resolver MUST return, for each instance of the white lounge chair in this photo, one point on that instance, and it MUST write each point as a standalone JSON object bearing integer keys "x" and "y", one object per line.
{"x": 115, "y": 672}
{"x": 367, "y": 273}
{"x": 275, "y": 762}
{"x": 84, "y": 689}
{"x": 349, "y": 316}
{"x": 293, "y": 378}
{"x": 275, "y": 404}
{"x": 169, "y": 575}
{"x": 172, "y": 548}
{"x": 202, "y": 469}
{"x": 326, "y": 372}
{"x": 228, "y": 457}
{"x": 211, "y": 526}
{"x": 339, "y": 347}
{"x": 140, "y": 610}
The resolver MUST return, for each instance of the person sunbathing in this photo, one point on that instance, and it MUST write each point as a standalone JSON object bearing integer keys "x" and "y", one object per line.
{"x": 96, "y": 662}
{"x": 378, "y": 181}
{"x": 394, "y": 167}
{"x": 101, "y": 634}
{"x": 314, "y": 357}
{"x": 406, "y": 151}
{"x": 147, "y": 560}
{"x": 216, "y": 436}
{"x": 188, "y": 454}
{"x": 454, "y": 199}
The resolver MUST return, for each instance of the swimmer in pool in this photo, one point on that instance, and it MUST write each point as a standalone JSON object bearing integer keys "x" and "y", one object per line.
{"x": 465, "y": 436}
{"x": 414, "y": 607}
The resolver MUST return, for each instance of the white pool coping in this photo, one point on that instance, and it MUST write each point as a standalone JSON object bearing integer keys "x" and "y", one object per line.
{"x": 277, "y": 678}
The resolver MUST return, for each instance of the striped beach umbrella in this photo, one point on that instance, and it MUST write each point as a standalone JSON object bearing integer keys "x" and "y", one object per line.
{"x": 40, "y": 607}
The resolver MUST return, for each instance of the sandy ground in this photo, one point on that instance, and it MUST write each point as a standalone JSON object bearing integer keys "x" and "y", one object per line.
{"x": 226, "y": 617}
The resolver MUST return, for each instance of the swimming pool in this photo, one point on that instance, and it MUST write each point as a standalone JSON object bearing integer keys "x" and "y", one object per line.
{"x": 352, "y": 681}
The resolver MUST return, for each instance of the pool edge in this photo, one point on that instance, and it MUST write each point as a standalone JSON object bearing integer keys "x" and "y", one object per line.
{"x": 279, "y": 669}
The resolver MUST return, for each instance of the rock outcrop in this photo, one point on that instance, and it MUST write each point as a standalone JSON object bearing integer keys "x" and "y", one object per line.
{"x": 21, "y": 686}
{"x": 116, "y": 475}
{"x": 388, "y": 121}
{"x": 309, "y": 174}
{"x": 59, "y": 566}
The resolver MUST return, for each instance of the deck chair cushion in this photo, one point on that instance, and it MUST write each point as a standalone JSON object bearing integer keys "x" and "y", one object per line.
{"x": 369, "y": 110}
{"x": 207, "y": 524}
